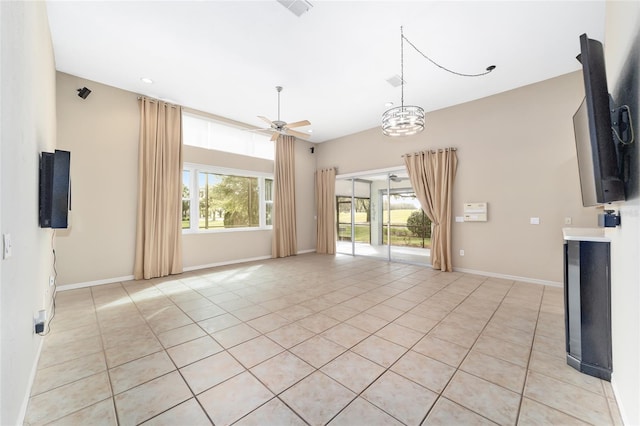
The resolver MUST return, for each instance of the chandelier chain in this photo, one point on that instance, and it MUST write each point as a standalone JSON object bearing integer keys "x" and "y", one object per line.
{"x": 489, "y": 68}
{"x": 402, "y": 67}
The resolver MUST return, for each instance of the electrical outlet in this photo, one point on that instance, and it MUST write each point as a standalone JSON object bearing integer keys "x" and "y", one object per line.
{"x": 567, "y": 220}
{"x": 39, "y": 321}
{"x": 461, "y": 252}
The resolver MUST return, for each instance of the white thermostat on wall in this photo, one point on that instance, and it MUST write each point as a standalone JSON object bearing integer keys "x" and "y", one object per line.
{"x": 475, "y": 212}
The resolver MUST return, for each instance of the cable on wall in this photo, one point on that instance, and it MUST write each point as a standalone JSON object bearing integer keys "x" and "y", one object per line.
{"x": 55, "y": 288}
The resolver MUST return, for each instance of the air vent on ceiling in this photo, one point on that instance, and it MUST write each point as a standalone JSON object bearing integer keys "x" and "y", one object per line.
{"x": 395, "y": 81}
{"x": 297, "y": 7}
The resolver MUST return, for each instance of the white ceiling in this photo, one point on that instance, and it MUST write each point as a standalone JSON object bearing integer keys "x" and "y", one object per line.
{"x": 226, "y": 57}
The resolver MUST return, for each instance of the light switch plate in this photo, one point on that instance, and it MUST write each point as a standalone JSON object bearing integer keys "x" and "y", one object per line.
{"x": 534, "y": 221}
{"x": 6, "y": 243}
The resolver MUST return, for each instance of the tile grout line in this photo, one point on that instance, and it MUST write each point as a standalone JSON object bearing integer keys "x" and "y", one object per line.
{"x": 527, "y": 370}
{"x": 164, "y": 350}
{"x": 345, "y": 275}
{"x": 440, "y": 395}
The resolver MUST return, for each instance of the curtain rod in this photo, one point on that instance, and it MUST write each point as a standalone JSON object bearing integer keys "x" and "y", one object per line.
{"x": 157, "y": 100}
{"x": 433, "y": 151}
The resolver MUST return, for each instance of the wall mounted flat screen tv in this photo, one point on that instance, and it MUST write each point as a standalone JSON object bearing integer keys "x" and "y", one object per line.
{"x": 600, "y": 175}
{"x": 54, "y": 191}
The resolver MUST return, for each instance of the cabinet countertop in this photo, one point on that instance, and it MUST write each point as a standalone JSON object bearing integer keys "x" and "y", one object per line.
{"x": 585, "y": 234}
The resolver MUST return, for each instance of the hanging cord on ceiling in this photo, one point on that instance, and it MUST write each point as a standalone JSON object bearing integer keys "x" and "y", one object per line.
{"x": 488, "y": 70}
{"x": 55, "y": 288}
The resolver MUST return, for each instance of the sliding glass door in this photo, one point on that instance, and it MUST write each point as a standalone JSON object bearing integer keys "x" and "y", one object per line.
{"x": 407, "y": 229}
{"x": 353, "y": 204}
{"x": 378, "y": 215}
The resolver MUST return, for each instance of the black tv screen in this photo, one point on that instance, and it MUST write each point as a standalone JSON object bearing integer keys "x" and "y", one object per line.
{"x": 54, "y": 191}
{"x": 596, "y": 148}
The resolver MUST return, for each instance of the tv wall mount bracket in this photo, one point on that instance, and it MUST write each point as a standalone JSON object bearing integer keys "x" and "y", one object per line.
{"x": 621, "y": 122}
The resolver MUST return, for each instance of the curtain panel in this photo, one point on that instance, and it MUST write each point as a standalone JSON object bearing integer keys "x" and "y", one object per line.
{"x": 159, "y": 221}
{"x": 326, "y": 211}
{"x": 432, "y": 174}
{"x": 284, "y": 240}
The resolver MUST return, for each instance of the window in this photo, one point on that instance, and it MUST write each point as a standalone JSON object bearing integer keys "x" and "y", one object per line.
{"x": 186, "y": 199}
{"x": 207, "y": 133}
{"x": 226, "y": 199}
{"x": 362, "y": 218}
{"x": 268, "y": 200}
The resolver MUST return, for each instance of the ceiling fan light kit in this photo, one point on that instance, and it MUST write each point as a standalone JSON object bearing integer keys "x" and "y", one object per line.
{"x": 407, "y": 120}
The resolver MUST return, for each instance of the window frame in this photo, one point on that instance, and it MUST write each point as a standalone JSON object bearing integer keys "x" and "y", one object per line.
{"x": 194, "y": 197}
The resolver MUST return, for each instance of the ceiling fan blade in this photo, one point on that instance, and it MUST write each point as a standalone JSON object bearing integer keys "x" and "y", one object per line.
{"x": 296, "y": 133}
{"x": 298, "y": 124}
{"x": 274, "y": 136}
{"x": 265, "y": 119}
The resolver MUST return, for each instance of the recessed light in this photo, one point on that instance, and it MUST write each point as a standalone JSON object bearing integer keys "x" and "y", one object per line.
{"x": 310, "y": 131}
{"x": 146, "y": 80}
{"x": 388, "y": 104}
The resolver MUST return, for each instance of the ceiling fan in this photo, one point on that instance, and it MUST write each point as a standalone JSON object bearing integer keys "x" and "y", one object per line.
{"x": 279, "y": 127}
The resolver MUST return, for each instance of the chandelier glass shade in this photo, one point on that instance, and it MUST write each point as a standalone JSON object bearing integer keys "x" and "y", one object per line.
{"x": 405, "y": 120}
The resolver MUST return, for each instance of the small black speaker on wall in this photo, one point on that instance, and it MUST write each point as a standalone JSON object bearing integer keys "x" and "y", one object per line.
{"x": 54, "y": 191}
{"x": 84, "y": 92}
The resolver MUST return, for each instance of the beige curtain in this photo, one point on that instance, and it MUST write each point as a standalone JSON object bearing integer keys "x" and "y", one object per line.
{"x": 326, "y": 211}
{"x": 159, "y": 227}
{"x": 432, "y": 174}
{"x": 284, "y": 241}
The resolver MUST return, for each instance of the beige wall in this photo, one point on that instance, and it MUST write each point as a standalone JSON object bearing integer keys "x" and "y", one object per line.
{"x": 102, "y": 134}
{"x": 622, "y": 47}
{"x": 27, "y": 127}
{"x": 516, "y": 151}
{"x": 305, "y": 196}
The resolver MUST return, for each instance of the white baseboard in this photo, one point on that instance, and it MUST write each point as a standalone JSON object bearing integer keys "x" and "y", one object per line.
{"x": 94, "y": 283}
{"x": 623, "y": 414}
{"x": 253, "y": 259}
{"x": 187, "y": 269}
{"x": 224, "y": 263}
{"x": 510, "y": 277}
{"x": 32, "y": 378}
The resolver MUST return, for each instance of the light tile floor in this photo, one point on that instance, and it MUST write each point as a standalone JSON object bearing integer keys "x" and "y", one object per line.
{"x": 313, "y": 339}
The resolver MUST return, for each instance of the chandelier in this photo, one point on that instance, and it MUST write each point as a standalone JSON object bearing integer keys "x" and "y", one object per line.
{"x": 407, "y": 120}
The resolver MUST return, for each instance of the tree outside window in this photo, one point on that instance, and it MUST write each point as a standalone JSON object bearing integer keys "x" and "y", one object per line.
{"x": 186, "y": 200}
{"x": 216, "y": 201}
{"x": 228, "y": 201}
